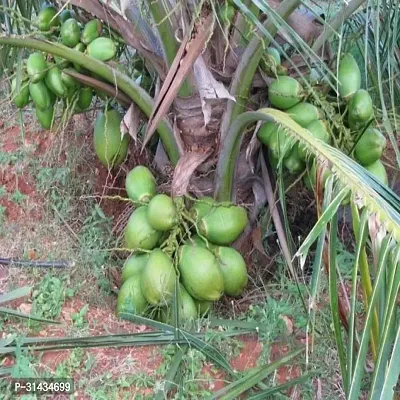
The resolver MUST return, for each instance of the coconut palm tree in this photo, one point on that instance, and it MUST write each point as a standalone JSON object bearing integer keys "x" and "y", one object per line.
{"x": 210, "y": 70}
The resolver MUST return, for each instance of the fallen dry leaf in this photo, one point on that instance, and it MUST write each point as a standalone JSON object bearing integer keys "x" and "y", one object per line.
{"x": 32, "y": 254}
{"x": 288, "y": 322}
{"x": 25, "y": 308}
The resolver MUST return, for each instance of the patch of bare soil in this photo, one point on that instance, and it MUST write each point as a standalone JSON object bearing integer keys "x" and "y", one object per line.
{"x": 99, "y": 320}
{"x": 249, "y": 354}
{"x": 16, "y": 177}
{"x": 128, "y": 361}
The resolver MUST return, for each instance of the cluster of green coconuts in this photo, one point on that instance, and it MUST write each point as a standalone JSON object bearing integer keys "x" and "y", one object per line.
{"x": 287, "y": 94}
{"x": 43, "y": 79}
{"x": 180, "y": 250}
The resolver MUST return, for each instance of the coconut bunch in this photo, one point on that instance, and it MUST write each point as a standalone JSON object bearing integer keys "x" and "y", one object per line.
{"x": 365, "y": 141}
{"x": 181, "y": 249}
{"x": 44, "y": 79}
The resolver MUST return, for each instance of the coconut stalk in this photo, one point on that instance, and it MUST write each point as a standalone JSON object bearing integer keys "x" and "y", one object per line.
{"x": 138, "y": 95}
{"x": 94, "y": 83}
{"x": 244, "y": 74}
{"x": 163, "y": 16}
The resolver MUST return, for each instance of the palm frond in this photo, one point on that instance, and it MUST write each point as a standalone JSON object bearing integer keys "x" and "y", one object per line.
{"x": 380, "y": 284}
{"x": 377, "y": 197}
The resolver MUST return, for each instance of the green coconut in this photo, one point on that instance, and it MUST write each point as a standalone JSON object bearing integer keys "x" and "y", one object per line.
{"x": 140, "y": 184}
{"x": 273, "y": 159}
{"x": 378, "y": 170}
{"x": 139, "y": 234}
{"x": 201, "y": 207}
{"x": 66, "y": 15}
{"x": 47, "y": 18}
{"x": 36, "y": 66}
{"x": 196, "y": 240}
{"x": 223, "y": 224}
{"x": 40, "y": 95}
{"x": 361, "y": 109}
{"x": 187, "y": 305}
{"x": 319, "y": 130}
{"x": 266, "y": 131}
{"x": 70, "y": 32}
{"x": 45, "y": 117}
{"x": 110, "y": 145}
{"x": 187, "y": 308}
{"x": 91, "y": 31}
{"x": 349, "y": 77}
{"x": 305, "y": 113}
{"x": 54, "y": 81}
{"x": 161, "y": 213}
{"x": 85, "y": 98}
{"x": 200, "y": 273}
{"x": 158, "y": 278}
{"x": 234, "y": 270}
{"x": 102, "y": 49}
{"x": 69, "y": 81}
{"x": 275, "y": 54}
{"x": 370, "y": 147}
{"x": 285, "y": 92}
{"x": 294, "y": 161}
{"x": 20, "y": 99}
{"x": 130, "y": 297}
{"x": 203, "y": 307}
{"x": 134, "y": 265}
{"x": 279, "y": 143}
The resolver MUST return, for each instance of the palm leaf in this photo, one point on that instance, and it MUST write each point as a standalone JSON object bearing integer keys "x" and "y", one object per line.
{"x": 377, "y": 197}
{"x": 188, "y": 338}
{"x": 377, "y": 201}
{"x": 15, "y": 294}
{"x": 265, "y": 394}
{"x": 252, "y": 378}
{"x": 171, "y": 374}
{"x": 13, "y": 313}
{"x": 334, "y": 297}
{"x": 355, "y": 383}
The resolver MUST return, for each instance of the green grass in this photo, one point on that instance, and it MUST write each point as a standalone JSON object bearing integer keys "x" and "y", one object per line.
{"x": 18, "y": 197}
{"x": 11, "y": 158}
{"x": 76, "y": 229}
{"x": 2, "y": 214}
